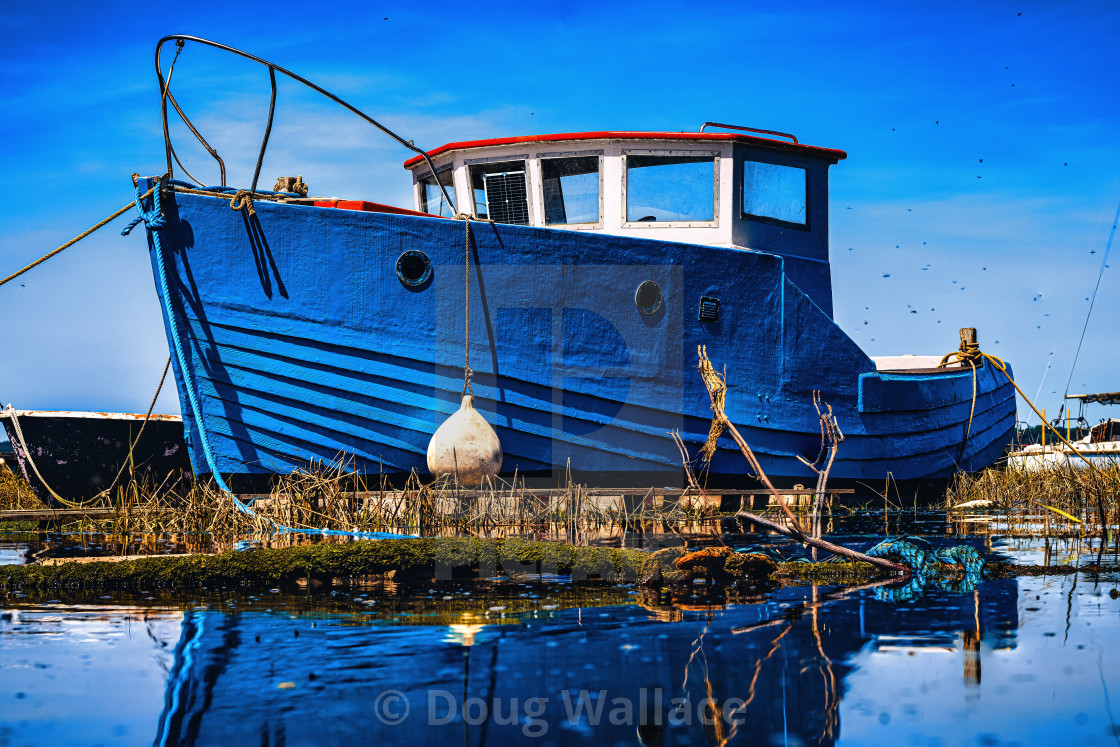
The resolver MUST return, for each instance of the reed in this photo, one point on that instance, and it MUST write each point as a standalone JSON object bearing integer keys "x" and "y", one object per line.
{"x": 15, "y": 493}
{"x": 331, "y": 497}
{"x": 1054, "y": 501}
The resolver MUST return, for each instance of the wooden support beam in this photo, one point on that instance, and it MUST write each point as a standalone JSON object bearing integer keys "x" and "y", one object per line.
{"x": 47, "y": 514}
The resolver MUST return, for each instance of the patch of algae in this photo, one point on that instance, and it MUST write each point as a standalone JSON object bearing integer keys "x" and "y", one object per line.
{"x": 427, "y": 558}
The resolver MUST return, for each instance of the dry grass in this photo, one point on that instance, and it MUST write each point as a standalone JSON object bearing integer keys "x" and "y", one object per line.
{"x": 1060, "y": 500}
{"x": 332, "y": 498}
{"x": 15, "y": 493}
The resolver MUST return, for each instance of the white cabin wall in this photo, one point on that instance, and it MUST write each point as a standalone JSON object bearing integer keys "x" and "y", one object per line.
{"x": 727, "y": 230}
{"x": 533, "y": 185}
{"x": 612, "y": 193}
{"x": 728, "y": 202}
{"x": 462, "y": 188}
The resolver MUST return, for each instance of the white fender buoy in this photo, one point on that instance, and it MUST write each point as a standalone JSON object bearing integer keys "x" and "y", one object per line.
{"x": 465, "y": 446}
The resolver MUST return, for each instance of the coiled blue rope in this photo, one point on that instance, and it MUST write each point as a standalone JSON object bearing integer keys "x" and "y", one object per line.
{"x": 154, "y": 221}
{"x": 924, "y": 563}
{"x": 920, "y": 557}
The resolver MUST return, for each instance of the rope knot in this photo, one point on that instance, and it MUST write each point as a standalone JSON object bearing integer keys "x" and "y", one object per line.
{"x": 152, "y": 219}
{"x": 969, "y": 351}
{"x": 243, "y": 200}
{"x": 468, "y": 375}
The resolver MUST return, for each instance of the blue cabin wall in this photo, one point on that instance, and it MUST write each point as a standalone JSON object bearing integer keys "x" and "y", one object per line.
{"x": 818, "y": 354}
{"x": 805, "y": 249}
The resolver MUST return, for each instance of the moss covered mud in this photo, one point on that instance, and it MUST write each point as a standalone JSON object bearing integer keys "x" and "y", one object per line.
{"x": 405, "y": 559}
{"x": 447, "y": 559}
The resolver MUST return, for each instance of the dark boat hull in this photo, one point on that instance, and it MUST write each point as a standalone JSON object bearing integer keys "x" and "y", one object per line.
{"x": 79, "y": 454}
{"x": 301, "y": 345}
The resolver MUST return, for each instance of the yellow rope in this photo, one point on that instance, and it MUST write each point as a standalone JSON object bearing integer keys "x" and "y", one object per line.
{"x": 970, "y": 353}
{"x": 130, "y": 206}
{"x": 243, "y": 200}
{"x": 717, "y": 386}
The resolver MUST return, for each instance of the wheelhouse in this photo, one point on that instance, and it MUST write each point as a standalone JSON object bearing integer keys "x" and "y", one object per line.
{"x": 722, "y": 189}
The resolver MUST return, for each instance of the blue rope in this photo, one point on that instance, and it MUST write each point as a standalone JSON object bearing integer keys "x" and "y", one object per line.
{"x": 154, "y": 221}
{"x": 924, "y": 563}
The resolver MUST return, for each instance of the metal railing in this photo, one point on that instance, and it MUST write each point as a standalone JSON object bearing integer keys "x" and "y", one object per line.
{"x": 750, "y": 129}
{"x": 167, "y": 97}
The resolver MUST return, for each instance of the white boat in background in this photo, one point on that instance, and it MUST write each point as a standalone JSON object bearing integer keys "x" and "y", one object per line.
{"x": 1100, "y": 448}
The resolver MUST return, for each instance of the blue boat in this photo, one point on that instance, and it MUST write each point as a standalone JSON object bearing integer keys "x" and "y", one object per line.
{"x": 223, "y": 686}
{"x": 596, "y": 265}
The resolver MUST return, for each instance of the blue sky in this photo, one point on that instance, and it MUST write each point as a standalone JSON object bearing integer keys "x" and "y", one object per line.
{"x": 982, "y": 177}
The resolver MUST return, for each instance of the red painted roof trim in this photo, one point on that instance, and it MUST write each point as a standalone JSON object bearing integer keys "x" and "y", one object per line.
{"x": 694, "y": 136}
{"x": 371, "y": 207}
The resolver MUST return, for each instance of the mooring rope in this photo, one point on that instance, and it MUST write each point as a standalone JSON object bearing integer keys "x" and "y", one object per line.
{"x": 926, "y": 564}
{"x": 147, "y": 416}
{"x": 467, "y": 372}
{"x": 921, "y": 558}
{"x": 242, "y": 200}
{"x": 73, "y": 241}
{"x": 970, "y": 352}
{"x": 10, "y": 413}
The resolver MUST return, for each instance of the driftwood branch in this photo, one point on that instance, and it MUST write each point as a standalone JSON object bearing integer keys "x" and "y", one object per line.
{"x": 686, "y": 462}
{"x": 830, "y": 432}
{"x": 822, "y": 544}
{"x": 717, "y": 392}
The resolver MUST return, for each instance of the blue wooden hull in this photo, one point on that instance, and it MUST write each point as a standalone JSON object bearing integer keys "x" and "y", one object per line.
{"x": 304, "y": 346}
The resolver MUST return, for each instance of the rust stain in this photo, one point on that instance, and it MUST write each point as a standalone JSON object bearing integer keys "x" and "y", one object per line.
{"x": 93, "y": 415}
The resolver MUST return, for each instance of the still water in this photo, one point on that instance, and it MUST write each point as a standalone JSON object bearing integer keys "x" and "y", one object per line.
{"x": 1026, "y": 661}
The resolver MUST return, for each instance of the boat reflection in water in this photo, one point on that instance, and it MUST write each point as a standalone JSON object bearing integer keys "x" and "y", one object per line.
{"x": 760, "y": 670}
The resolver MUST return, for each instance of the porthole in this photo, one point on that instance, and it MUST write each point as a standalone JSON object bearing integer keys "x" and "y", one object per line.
{"x": 414, "y": 268}
{"x": 648, "y": 297}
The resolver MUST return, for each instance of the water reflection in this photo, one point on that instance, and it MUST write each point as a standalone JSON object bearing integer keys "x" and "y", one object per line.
{"x": 762, "y": 670}
{"x": 1029, "y": 661}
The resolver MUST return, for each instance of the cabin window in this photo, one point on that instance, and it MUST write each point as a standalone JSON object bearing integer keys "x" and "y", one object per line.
{"x": 775, "y": 192}
{"x": 500, "y": 193}
{"x": 670, "y": 188}
{"x": 431, "y": 196}
{"x": 571, "y": 190}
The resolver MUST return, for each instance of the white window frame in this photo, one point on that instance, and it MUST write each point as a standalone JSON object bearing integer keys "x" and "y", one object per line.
{"x": 420, "y": 201}
{"x": 716, "y": 158}
{"x": 529, "y": 188}
{"x": 540, "y": 158}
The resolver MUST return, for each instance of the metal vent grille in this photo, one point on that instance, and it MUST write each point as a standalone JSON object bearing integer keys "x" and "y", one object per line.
{"x": 709, "y": 309}
{"x": 506, "y": 201}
